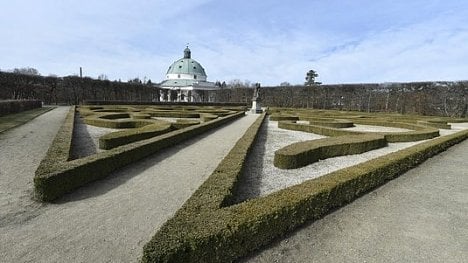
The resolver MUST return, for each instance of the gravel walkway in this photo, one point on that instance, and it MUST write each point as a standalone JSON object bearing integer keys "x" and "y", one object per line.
{"x": 261, "y": 177}
{"x": 21, "y": 150}
{"x": 86, "y": 138}
{"x": 106, "y": 221}
{"x": 372, "y": 128}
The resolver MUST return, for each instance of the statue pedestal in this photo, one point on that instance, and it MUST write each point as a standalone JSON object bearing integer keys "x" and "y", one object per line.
{"x": 256, "y": 107}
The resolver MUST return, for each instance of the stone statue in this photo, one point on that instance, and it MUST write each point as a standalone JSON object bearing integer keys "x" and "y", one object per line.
{"x": 256, "y": 107}
{"x": 256, "y": 95}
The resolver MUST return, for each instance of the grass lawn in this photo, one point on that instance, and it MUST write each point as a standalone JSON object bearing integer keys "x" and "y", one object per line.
{"x": 12, "y": 120}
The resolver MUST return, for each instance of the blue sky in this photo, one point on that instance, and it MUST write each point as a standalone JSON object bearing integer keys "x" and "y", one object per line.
{"x": 345, "y": 41}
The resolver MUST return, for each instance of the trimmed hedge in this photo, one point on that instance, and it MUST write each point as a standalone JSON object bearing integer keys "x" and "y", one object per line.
{"x": 326, "y": 131}
{"x": 173, "y": 114}
{"x": 422, "y": 133}
{"x": 53, "y": 178}
{"x": 138, "y": 115}
{"x": 106, "y": 121}
{"x": 60, "y": 150}
{"x": 180, "y": 124}
{"x": 119, "y": 138}
{"x": 205, "y": 231}
{"x": 207, "y": 117}
{"x": 435, "y": 123}
{"x": 279, "y": 117}
{"x": 304, "y": 153}
{"x": 418, "y": 132}
{"x": 15, "y": 106}
{"x": 332, "y": 123}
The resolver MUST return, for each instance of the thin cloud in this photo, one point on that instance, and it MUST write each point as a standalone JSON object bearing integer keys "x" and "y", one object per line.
{"x": 261, "y": 41}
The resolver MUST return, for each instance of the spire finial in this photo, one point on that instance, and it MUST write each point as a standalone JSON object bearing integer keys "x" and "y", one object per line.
{"x": 187, "y": 53}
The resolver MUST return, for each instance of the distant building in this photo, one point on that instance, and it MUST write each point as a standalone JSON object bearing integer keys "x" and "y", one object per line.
{"x": 186, "y": 81}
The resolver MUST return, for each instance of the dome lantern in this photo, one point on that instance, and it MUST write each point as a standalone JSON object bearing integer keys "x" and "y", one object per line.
{"x": 187, "y": 53}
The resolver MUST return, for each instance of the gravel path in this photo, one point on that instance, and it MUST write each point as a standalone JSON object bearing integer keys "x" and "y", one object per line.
{"x": 372, "y": 128}
{"x": 261, "y": 177}
{"x": 420, "y": 216}
{"x": 106, "y": 221}
{"x": 21, "y": 150}
{"x": 86, "y": 138}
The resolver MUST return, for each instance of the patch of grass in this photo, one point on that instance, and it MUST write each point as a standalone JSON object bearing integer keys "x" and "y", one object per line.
{"x": 13, "y": 120}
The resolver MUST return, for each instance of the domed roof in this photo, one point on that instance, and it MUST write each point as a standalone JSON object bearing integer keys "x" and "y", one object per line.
{"x": 187, "y": 65}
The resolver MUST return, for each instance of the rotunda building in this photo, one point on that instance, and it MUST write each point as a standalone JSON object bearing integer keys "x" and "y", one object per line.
{"x": 186, "y": 81}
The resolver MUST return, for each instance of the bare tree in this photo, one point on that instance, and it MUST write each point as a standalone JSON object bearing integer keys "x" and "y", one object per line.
{"x": 26, "y": 71}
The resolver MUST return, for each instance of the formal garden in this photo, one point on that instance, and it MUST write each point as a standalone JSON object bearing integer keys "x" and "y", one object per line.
{"x": 290, "y": 167}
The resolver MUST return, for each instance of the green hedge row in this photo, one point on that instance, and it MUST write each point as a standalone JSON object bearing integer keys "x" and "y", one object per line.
{"x": 204, "y": 230}
{"x": 119, "y": 138}
{"x": 326, "y": 131}
{"x": 173, "y": 114}
{"x": 15, "y": 106}
{"x": 280, "y": 117}
{"x": 139, "y": 115}
{"x": 52, "y": 181}
{"x": 180, "y": 124}
{"x": 436, "y": 124}
{"x": 418, "y": 133}
{"x": 60, "y": 150}
{"x": 207, "y": 116}
{"x": 304, "y": 153}
{"x": 332, "y": 123}
{"x": 422, "y": 132}
{"x": 115, "y": 123}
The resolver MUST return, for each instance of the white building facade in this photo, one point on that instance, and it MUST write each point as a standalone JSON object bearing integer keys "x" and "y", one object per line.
{"x": 186, "y": 81}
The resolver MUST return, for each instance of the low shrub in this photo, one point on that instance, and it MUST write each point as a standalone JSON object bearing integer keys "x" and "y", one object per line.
{"x": 119, "y": 138}
{"x": 332, "y": 123}
{"x": 180, "y": 124}
{"x": 107, "y": 122}
{"x": 207, "y": 117}
{"x": 173, "y": 114}
{"x": 278, "y": 117}
{"x": 138, "y": 115}
{"x": 304, "y": 153}
{"x": 435, "y": 123}
{"x": 326, "y": 131}
{"x": 422, "y": 132}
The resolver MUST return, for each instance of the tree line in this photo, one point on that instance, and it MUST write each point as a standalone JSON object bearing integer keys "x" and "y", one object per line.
{"x": 441, "y": 98}
{"x": 72, "y": 89}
